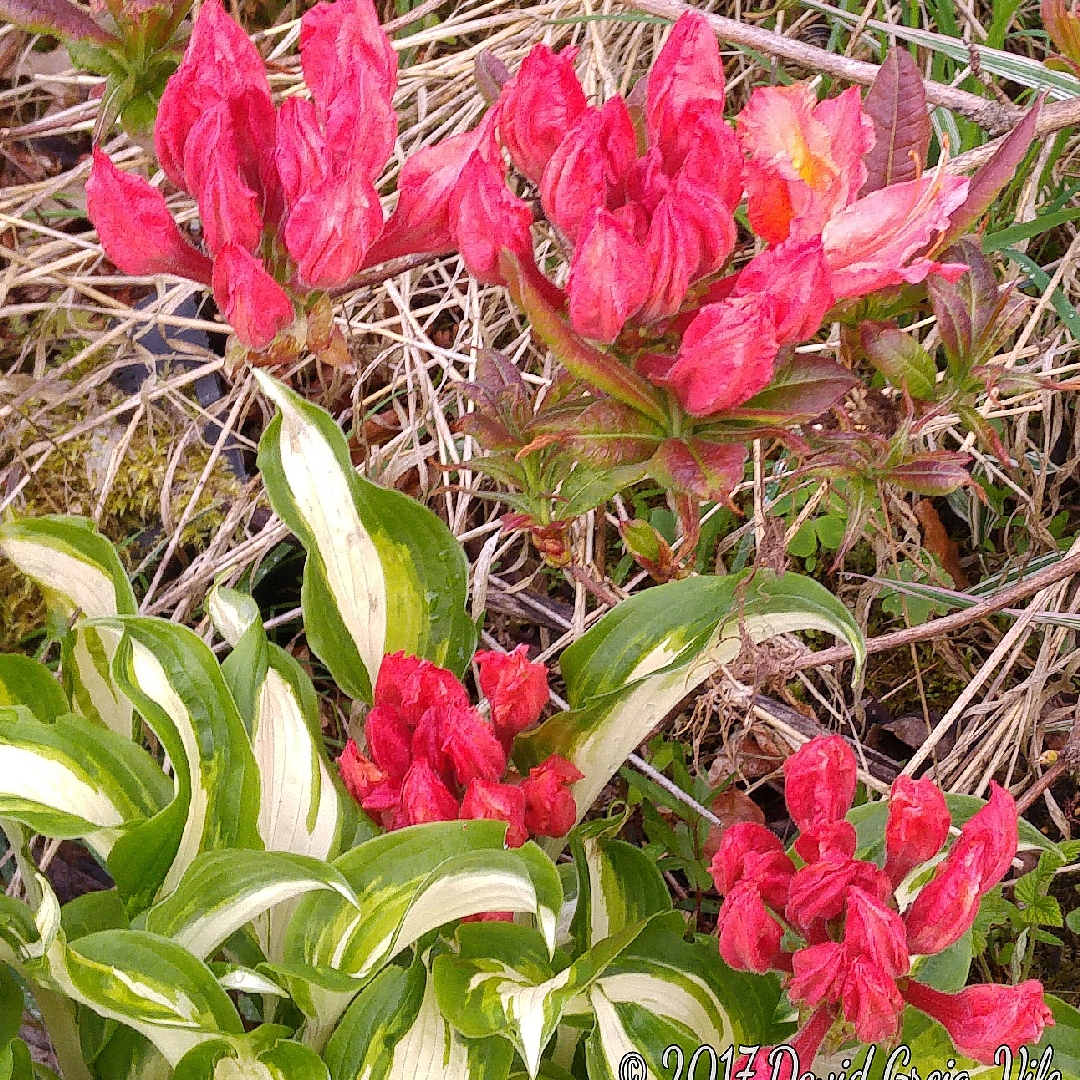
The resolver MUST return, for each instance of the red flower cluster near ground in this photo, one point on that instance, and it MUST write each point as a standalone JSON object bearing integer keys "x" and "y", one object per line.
{"x": 855, "y": 958}
{"x": 433, "y": 756}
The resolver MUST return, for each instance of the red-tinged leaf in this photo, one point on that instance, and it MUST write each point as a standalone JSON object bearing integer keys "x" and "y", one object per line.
{"x": 533, "y": 293}
{"x": 988, "y": 181}
{"x": 802, "y": 389}
{"x": 58, "y": 17}
{"x": 606, "y": 433}
{"x": 932, "y": 473}
{"x": 901, "y": 359}
{"x": 1063, "y": 26}
{"x": 694, "y": 466}
{"x": 896, "y": 102}
{"x": 490, "y": 74}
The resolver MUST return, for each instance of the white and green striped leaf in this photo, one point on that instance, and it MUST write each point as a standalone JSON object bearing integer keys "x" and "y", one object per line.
{"x": 409, "y": 883}
{"x": 501, "y": 982}
{"x": 26, "y": 681}
{"x": 618, "y": 885}
{"x": 301, "y": 809}
{"x": 267, "y": 1053}
{"x": 147, "y": 982}
{"x": 73, "y": 778}
{"x": 79, "y": 573}
{"x": 222, "y": 891}
{"x": 173, "y": 679}
{"x": 642, "y": 658}
{"x": 383, "y": 573}
{"x": 664, "y": 991}
{"x": 394, "y": 1030}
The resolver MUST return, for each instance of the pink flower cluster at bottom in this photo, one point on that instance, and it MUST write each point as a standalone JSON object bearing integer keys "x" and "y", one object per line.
{"x": 854, "y": 962}
{"x": 433, "y": 757}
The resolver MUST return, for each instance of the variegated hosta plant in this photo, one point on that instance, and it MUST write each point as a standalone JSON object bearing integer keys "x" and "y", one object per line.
{"x": 260, "y": 924}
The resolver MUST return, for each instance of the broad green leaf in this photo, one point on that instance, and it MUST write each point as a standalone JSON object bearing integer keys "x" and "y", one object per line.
{"x": 263, "y": 1054}
{"x": 79, "y": 572}
{"x": 501, "y": 982}
{"x": 408, "y": 883}
{"x": 173, "y": 679}
{"x": 647, "y": 654}
{"x": 301, "y": 809}
{"x": 383, "y": 573}
{"x": 618, "y": 886}
{"x": 147, "y": 982}
{"x": 664, "y": 991}
{"x": 394, "y": 1030}
{"x": 224, "y": 890}
{"x": 11, "y": 1005}
{"x": 25, "y": 681}
{"x": 73, "y": 778}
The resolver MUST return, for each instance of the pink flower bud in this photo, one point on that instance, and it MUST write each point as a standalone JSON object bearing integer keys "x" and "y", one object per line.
{"x": 837, "y": 838}
{"x": 550, "y": 809}
{"x": 981, "y": 1018}
{"x": 749, "y": 935}
{"x": 538, "y": 106}
{"x": 977, "y": 861}
{"x": 917, "y": 826}
{"x": 255, "y": 305}
{"x": 473, "y": 748}
{"x": 486, "y": 217}
{"x": 301, "y": 149}
{"x": 819, "y": 972}
{"x": 726, "y": 356}
{"x": 220, "y": 65}
{"x": 589, "y": 169}
{"x": 420, "y": 223}
{"x": 498, "y": 802}
{"x": 329, "y": 231}
{"x": 795, "y": 276}
{"x": 820, "y": 891}
{"x": 135, "y": 226}
{"x": 609, "y": 277}
{"x": 871, "y": 1001}
{"x": 410, "y": 686}
{"x": 516, "y": 689}
{"x": 873, "y": 930}
{"x": 819, "y": 782}
{"x": 424, "y": 797}
{"x": 389, "y": 742}
{"x": 360, "y": 776}
{"x": 750, "y": 852}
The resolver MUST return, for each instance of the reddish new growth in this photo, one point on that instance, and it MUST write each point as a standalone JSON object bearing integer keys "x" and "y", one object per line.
{"x": 854, "y": 961}
{"x": 433, "y": 757}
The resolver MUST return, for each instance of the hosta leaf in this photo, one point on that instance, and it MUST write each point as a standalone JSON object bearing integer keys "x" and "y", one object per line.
{"x": 646, "y": 655}
{"x": 501, "y": 983}
{"x": 896, "y": 102}
{"x": 408, "y": 883}
{"x": 79, "y": 571}
{"x": 383, "y": 573}
{"x": 173, "y": 679}
{"x": 263, "y": 1054}
{"x": 74, "y": 778}
{"x": 301, "y": 809}
{"x": 663, "y": 991}
{"x": 618, "y": 886}
{"x": 147, "y": 982}
{"x": 394, "y": 1030}
{"x": 223, "y": 890}
{"x": 25, "y": 681}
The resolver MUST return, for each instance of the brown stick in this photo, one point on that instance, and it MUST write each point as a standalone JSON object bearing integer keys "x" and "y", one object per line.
{"x": 1068, "y": 760}
{"x": 956, "y": 621}
{"x": 988, "y": 114}
{"x": 1053, "y": 117}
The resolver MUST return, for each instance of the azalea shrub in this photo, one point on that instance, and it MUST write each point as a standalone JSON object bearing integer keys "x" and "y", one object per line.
{"x": 278, "y": 913}
{"x": 675, "y": 326}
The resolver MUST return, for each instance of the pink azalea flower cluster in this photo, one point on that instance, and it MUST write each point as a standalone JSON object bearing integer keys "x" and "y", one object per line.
{"x": 647, "y": 232}
{"x": 435, "y": 758}
{"x": 833, "y": 925}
